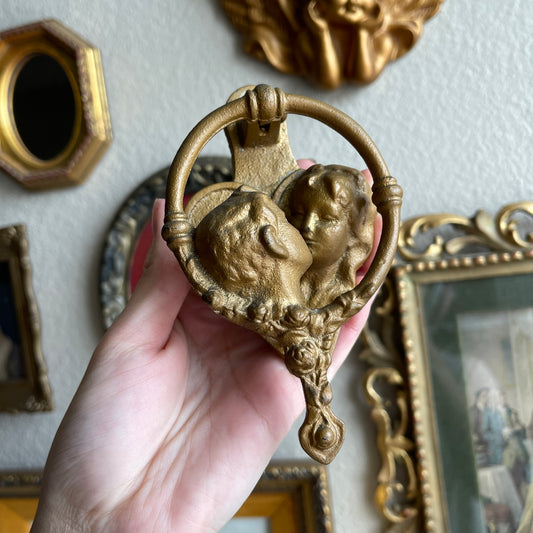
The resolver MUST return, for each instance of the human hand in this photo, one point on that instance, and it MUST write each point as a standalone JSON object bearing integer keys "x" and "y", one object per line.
{"x": 176, "y": 418}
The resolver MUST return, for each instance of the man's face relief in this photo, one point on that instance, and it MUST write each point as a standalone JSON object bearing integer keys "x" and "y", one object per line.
{"x": 290, "y": 236}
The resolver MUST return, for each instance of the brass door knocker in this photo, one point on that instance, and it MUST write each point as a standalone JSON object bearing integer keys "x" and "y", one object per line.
{"x": 276, "y": 250}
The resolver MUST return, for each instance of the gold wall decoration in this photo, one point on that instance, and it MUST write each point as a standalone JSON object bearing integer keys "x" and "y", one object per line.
{"x": 54, "y": 118}
{"x": 504, "y": 232}
{"x": 467, "y": 267}
{"x": 330, "y": 41}
{"x": 253, "y": 248}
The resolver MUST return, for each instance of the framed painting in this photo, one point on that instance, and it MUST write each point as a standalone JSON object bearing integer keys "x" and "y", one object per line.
{"x": 130, "y": 235}
{"x": 452, "y": 344}
{"x": 287, "y": 499}
{"x": 24, "y": 384}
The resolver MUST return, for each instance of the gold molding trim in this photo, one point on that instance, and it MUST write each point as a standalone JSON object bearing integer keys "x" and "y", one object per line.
{"x": 330, "y": 42}
{"x": 91, "y": 129}
{"x": 443, "y": 242}
{"x": 20, "y": 484}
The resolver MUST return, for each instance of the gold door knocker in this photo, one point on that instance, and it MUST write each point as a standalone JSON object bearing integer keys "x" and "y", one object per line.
{"x": 276, "y": 250}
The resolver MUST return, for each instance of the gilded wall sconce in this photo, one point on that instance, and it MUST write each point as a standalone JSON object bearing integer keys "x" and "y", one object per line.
{"x": 330, "y": 41}
{"x": 253, "y": 247}
{"x": 54, "y": 119}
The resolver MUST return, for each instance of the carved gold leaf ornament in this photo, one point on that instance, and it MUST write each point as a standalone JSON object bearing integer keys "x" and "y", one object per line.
{"x": 246, "y": 260}
{"x": 330, "y": 41}
{"x": 396, "y": 494}
{"x": 509, "y": 225}
{"x": 393, "y": 445}
{"x": 502, "y": 233}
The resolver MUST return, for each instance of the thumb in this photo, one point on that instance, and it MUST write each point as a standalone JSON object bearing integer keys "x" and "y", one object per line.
{"x": 159, "y": 294}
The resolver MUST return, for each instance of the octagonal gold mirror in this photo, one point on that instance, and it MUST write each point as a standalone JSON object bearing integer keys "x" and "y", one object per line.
{"x": 54, "y": 118}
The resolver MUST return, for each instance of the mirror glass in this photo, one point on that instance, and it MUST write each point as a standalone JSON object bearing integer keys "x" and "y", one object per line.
{"x": 247, "y": 525}
{"x": 44, "y": 107}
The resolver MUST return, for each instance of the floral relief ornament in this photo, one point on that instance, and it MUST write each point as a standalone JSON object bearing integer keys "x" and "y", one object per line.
{"x": 330, "y": 41}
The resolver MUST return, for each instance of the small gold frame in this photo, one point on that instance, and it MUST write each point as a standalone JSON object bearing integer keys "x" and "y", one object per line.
{"x": 19, "y": 496}
{"x": 433, "y": 249}
{"x": 28, "y": 388}
{"x": 294, "y": 498}
{"x": 91, "y": 130}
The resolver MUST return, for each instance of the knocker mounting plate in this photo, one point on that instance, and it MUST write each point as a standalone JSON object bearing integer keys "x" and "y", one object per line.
{"x": 276, "y": 250}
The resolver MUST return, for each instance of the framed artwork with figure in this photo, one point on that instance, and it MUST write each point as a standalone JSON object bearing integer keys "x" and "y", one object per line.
{"x": 24, "y": 384}
{"x": 471, "y": 340}
{"x": 455, "y": 340}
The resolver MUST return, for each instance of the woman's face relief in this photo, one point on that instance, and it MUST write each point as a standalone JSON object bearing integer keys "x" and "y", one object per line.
{"x": 323, "y": 223}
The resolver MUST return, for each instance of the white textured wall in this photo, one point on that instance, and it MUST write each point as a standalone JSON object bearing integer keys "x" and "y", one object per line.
{"x": 453, "y": 120}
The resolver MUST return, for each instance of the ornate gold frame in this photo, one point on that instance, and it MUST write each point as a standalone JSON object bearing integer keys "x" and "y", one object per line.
{"x": 32, "y": 392}
{"x": 438, "y": 248}
{"x": 19, "y": 495}
{"x": 294, "y": 498}
{"x": 129, "y": 222}
{"x": 92, "y": 127}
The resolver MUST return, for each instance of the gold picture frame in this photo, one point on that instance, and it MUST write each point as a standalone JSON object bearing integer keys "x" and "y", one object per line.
{"x": 19, "y": 496}
{"x": 54, "y": 117}
{"x": 454, "y": 317}
{"x": 292, "y": 498}
{"x": 24, "y": 384}
{"x": 129, "y": 235}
